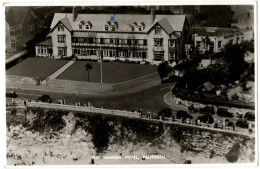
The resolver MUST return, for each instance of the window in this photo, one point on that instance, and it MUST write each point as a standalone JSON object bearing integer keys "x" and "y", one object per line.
{"x": 219, "y": 44}
{"x": 61, "y": 38}
{"x": 171, "y": 43}
{"x": 158, "y": 29}
{"x": 117, "y": 41}
{"x": 133, "y": 28}
{"x": 75, "y": 40}
{"x": 111, "y": 41}
{"x": 159, "y": 55}
{"x": 158, "y": 42}
{"x": 101, "y": 40}
{"x": 136, "y": 42}
{"x": 113, "y": 27}
{"x": 87, "y": 27}
{"x": 81, "y": 40}
{"x": 90, "y": 40}
{"x": 140, "y": 28}
{"x": 129, "y": 42}
{"x": 145, "y": 42}
{"x": 172, "y": 56}
{"x": 62, "y": 51}
{"x": 39, "y": 50}
{"x": 60, "y": 28}
{"x": 144, "y": 55}
{"x": 106, "y": 27}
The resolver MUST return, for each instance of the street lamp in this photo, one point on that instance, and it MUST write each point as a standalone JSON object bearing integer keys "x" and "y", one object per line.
{"x": 100, "y": 65}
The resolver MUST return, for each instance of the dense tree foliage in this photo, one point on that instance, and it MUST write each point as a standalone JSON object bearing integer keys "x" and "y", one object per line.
{"x": 163, "y": 69}
{"x": 214, "y": 15}
{"x": 231, "y": 67}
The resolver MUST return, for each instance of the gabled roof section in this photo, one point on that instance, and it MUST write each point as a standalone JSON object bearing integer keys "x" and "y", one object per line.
{"x": 65, "y": 21}
{"x": 47, "y": 42}
{"x": 166, "y": 25}
{"x": 170, "y": 23}
{"x": 82, "y": 22}
{"x": 124, "y": 21}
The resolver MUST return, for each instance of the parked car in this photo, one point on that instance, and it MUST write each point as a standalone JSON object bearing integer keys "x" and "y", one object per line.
{"x": 183, "y": 114}
{"x": 11, "y": 94}
{"x": 44, "y": 98}
{"x": 206, "y": 119}
{"x": 239, "y": 115}
{"x": 224, "y": 112}
{"x": 166, "y": 112}
{"x": 228, "y": 123}
{"x": 249, "y": 116}
{"x": 242, "y": 123}
{"x": 207, "y": 110}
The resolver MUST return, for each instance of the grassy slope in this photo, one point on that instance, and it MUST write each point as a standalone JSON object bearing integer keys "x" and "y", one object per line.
{"x": 36, "y": 67}
{"x": 112, "y": 72}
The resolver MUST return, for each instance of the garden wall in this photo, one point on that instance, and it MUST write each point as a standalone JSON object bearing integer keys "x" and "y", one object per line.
{"x": 22, "y": 79}
{"x": 80, "y": 87}
{"x": 106, "y": 89}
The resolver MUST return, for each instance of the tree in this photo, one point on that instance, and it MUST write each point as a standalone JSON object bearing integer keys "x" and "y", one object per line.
{"x": 164, "y": 69}
{"x": 88, "y": 67}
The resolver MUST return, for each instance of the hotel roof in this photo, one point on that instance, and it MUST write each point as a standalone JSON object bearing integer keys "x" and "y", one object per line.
{"x": 170, "y": 23}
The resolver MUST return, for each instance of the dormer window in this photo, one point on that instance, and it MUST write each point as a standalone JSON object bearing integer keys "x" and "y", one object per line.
{"x": 116, "y": 24}
{"x": 80, "y": 26}
{"x": 133, "y": 28}
{"x": 106, "y": 27}
{"x": 113, "y": 27}
{"x": 87, "y": 27}
{"x": 140, "y": 28}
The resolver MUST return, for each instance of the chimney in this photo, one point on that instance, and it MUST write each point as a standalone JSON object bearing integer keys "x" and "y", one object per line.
{"x": 74, "y": 14}
{"x": 153, "y": 14}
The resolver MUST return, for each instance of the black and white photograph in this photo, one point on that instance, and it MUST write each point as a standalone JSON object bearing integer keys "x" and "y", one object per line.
{"x": 109, "y": 84}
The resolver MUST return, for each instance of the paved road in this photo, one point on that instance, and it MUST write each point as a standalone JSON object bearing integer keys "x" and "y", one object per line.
{"x": 148, "y": 99}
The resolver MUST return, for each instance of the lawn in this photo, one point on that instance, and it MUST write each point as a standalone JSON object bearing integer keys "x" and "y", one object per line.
{"x": 36, "y": 67}
{"x": 112, "y": 72}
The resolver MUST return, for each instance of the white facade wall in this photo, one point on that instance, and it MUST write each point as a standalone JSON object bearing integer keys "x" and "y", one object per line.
{"x": 42, "y": 51}
{"x": 56, "y": 45}
{"x": 151, "y": 45}
{"x": 235, "y": 38}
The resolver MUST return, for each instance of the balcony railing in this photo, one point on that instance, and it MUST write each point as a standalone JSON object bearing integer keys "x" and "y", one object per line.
{"x": 158, "y": 48}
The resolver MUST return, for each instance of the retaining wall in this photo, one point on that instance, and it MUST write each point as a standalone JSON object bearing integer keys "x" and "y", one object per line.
{"x": 108, "y": 89}
{"x": 79, "y": 86}
{"x": 22, "y": 79}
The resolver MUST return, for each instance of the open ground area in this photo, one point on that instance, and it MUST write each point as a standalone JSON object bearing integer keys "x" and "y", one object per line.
{"x": 112, "y": 72}
{"x": 36, "y": 67}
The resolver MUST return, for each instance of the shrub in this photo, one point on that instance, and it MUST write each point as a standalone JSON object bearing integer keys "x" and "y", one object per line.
{"x": 232, "y": 155}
